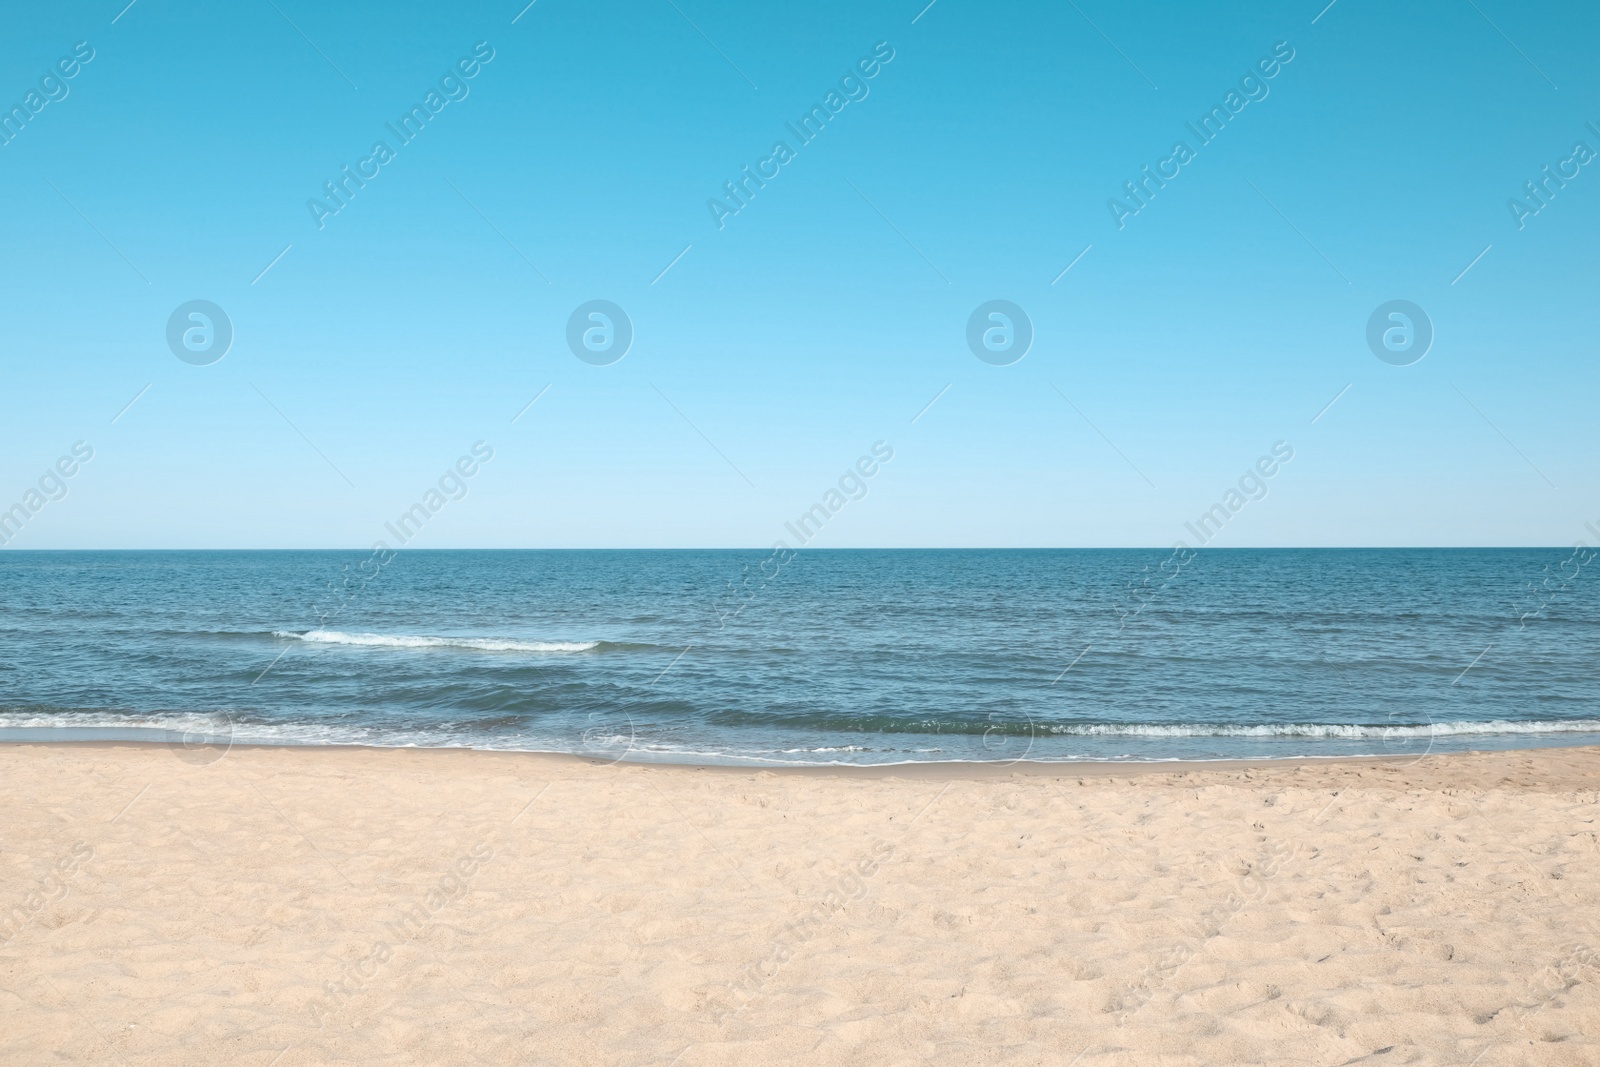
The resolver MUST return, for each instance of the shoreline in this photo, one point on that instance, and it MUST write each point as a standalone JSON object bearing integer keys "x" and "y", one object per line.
{"x": 924, "y": 770}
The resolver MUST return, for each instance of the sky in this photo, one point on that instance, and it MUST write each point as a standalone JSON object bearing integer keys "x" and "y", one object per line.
{"x": 577, "y": 152}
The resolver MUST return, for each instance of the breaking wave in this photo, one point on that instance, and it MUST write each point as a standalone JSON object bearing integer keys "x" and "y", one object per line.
{"x": 1341, "y": 731}
{"x": 481, "y": 644}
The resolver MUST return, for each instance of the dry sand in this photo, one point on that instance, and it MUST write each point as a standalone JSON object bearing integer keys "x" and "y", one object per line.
{"x": 303, "y": 906}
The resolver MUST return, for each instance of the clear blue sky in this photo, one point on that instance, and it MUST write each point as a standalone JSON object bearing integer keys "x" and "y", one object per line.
{"x": 829, "y": 311}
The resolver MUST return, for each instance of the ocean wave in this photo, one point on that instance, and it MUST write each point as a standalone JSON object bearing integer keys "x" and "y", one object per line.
{"x": 511, "y": 730}
{"x": 1337, "y": 731}
{"x": 171, "y": 721}
{"x": 481, "y": 644}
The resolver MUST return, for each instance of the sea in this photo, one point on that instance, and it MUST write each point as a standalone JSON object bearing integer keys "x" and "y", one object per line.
{"x": 814, "y": 657}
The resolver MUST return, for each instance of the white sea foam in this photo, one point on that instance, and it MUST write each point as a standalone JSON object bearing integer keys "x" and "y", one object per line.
{"x": 451, "y": 736}
{"x": 481, "y": 644}
{"x": 172, "y": 721}
{"x": 1341, "y": 731}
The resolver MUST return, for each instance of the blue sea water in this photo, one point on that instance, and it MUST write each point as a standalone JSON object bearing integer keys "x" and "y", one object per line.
{"x": 819, "y": 657}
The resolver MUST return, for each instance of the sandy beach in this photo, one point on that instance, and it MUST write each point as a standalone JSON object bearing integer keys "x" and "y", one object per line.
{"x": 297, "y": 906}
